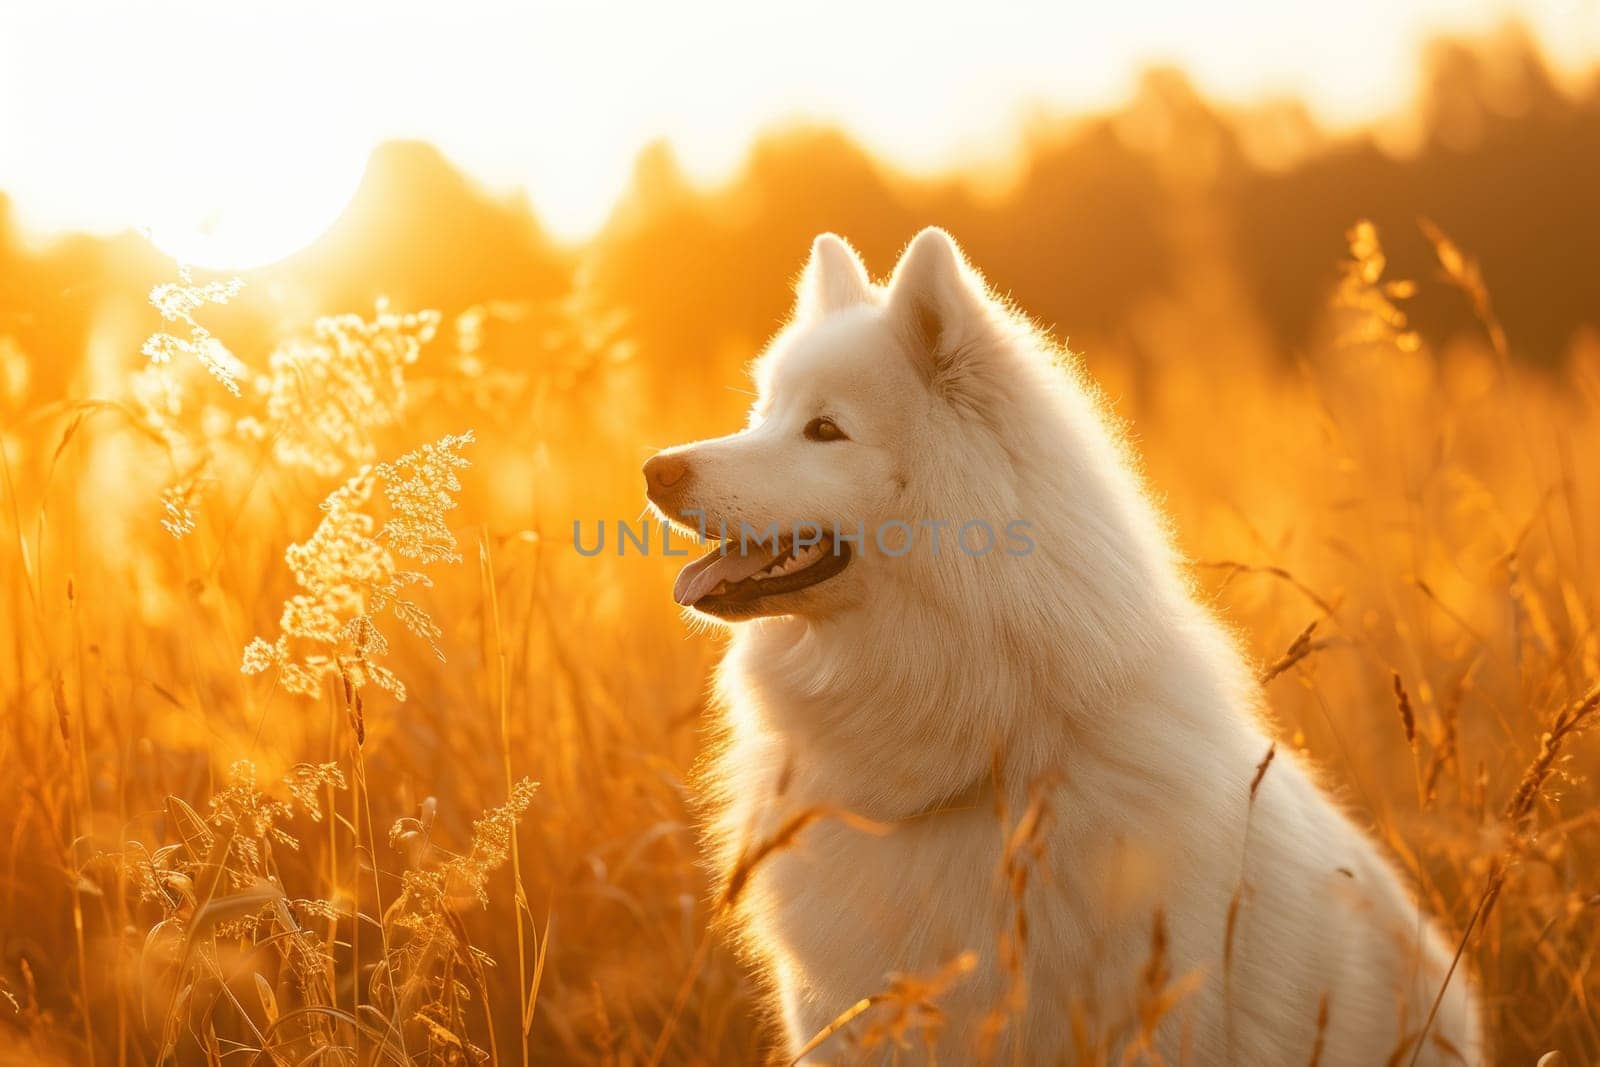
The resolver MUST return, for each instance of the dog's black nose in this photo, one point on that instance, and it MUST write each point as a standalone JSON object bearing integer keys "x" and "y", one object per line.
{"x": 662, "y": 472}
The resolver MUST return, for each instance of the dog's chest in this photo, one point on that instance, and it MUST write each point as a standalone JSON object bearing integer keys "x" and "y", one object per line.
{"x": 857, "y": 905}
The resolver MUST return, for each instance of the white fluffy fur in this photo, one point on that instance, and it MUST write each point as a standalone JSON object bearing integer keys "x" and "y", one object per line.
{"x": 892, "y": 689}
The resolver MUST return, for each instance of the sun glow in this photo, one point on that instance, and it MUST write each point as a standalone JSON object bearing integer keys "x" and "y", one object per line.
{"x": 235, "y": 133}
{"x": 251, "y": 216}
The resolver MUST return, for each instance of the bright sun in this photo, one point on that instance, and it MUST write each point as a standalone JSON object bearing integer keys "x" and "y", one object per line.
{"x": 252, "y": 216}
{"x": 233, "y": 156}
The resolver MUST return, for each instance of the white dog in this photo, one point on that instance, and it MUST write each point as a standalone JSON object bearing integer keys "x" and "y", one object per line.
{"x": 1177, "y": 894}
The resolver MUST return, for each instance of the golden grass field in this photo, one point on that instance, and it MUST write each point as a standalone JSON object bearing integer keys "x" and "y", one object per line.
{"x": 227, "y": 838}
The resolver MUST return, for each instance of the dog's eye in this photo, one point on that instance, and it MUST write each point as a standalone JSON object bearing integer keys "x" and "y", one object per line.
{"x": 821, "y": 429}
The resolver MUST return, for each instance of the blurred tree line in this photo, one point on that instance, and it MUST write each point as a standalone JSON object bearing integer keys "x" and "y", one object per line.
{"x": 1098, "y": 216}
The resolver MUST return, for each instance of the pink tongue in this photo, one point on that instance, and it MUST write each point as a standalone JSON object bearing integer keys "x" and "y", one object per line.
{"x": 702, "y": 576}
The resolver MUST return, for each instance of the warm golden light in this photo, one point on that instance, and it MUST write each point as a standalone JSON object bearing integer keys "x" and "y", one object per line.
{"x": 251, "y": 218}
{"x": 356, "y": 708}
{"x": 232, "y": 133}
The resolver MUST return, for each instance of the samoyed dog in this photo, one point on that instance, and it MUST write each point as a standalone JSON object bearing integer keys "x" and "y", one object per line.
{"x": 984, "y": 750}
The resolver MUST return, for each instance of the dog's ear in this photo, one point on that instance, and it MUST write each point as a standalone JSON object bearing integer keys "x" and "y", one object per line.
{"x": 834, "y": 277}
{"x": 936, "y": 300}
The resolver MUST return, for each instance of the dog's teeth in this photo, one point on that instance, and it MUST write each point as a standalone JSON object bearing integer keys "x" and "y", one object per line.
{"x": 790, "y": 558}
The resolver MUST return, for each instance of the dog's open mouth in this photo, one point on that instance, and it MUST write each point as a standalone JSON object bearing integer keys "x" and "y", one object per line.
{"x": 727, "y": 580}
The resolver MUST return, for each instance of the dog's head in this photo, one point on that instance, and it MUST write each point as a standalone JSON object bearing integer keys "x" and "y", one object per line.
{"x": 854, "y": 444}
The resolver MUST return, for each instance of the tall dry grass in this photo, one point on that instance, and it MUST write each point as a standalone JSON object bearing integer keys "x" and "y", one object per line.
{"x": 321, "y": 743}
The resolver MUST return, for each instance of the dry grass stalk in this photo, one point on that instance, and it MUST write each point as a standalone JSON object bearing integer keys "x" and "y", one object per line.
{"x": 1363, "y": 291}
{"x": 1446, "y": 747}
{"x": 1570, "y": 722}
{"x": 1233, "y": 567}
{"x": 325, "y": 397}
{"x": 1022, "y": 854}
{"x": 1231, "y": 928}
{"x": 1493, "y": 884}
{"x": 1156, "y": 995}
{"x": 1322, "y": 1032}
{"x": 177, "y": 302}
{"x": 1298, "y": 649}
{"x": 784, "y": 837}
{"x": 1463, "y": 272}
{"x": 907, "y": 1007}
{"x": 1261, "y": 770}
{"x": 1408, "y": 718}
{"x": 1242, "y": 888}
{"x": 352, "y": 572}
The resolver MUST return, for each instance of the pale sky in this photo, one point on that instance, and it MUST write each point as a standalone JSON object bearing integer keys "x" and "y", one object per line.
{"x": 236, "y": 130}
